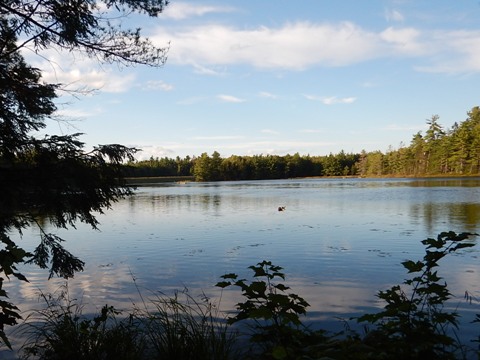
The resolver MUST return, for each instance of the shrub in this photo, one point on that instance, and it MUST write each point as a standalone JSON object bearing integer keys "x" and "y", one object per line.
{"x": 272, "y": 314}
{"x": 414, "y": 323}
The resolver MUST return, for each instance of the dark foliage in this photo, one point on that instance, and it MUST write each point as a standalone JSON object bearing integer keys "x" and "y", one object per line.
{"x": 414, "y": 323}
{"x": 52, "y": 179}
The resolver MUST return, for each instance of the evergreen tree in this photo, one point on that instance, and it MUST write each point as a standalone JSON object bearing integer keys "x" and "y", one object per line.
{"x": 417, "y": 147}
{"x": 474, "y": 128}
{"x": 433, "y": 139}
{"x": 362, "y": 165}
{"x": 331, "y": 165}
{"x": 375, "y": 163}
{"x": 53, "y": 178}
{"x": 202, "y": 168}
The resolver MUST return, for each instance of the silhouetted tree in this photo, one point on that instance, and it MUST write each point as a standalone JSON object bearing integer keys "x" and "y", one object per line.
{"x": 52, "y": 177}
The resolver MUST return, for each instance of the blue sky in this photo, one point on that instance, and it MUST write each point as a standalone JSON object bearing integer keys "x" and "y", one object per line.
{"x": 276, "y": 77}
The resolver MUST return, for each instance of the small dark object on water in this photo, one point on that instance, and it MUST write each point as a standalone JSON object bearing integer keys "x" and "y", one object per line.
{"x": 281, "y": 208}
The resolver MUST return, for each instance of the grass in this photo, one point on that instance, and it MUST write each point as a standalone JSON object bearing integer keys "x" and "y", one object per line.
{"x": 61, "y": 331}
{"x": 182, "y": 327}
{"x": 179, "y": 327}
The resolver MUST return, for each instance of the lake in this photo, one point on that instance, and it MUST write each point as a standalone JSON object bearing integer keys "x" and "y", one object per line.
{"x": 338, "y": 240}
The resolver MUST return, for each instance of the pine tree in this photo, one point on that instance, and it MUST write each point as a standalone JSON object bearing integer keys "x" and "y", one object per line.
{"x": 52, "y": 178}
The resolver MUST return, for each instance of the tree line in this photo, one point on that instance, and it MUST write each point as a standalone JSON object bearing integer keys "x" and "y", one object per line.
{"x": 453, "y": 151}
{"x": 439, "y": 151}
{"x": 257, "y": 167}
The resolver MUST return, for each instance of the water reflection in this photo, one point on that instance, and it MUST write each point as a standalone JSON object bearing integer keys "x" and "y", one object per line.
{"x": 456, "y": 216}
{"x": 339, "y": 240}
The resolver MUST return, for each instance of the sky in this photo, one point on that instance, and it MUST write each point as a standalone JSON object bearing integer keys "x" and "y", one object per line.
{"x": 279, "y": 77}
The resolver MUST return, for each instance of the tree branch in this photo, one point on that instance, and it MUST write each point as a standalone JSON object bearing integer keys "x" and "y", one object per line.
{"x": 109, "y": 51}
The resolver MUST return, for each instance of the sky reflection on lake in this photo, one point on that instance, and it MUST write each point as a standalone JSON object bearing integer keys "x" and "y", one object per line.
{"x": 339, "y": 240}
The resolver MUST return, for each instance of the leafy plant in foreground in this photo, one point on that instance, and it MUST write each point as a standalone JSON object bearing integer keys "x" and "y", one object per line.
{"x": 275, "y": 314}
{"x": 414, "y": 323}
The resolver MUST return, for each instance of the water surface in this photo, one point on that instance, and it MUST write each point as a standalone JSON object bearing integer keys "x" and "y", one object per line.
{"x": 339, "y": 241}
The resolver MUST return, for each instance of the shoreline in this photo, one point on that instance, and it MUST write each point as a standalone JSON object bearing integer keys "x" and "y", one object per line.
{"x": 146, "y": 180}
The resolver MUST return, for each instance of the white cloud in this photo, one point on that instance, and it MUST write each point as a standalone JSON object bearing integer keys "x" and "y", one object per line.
{"x": 230, "y": 99}
{"x": 91, "y": 79}
{"x": 310, "y": 131}
{"x": 77, "y": 72}
{"x": 148, "y": 151}
{"x": 267, "y": 95}
{"x": 269, "y": 131}
{"x": 335, "y": 100}
{"x": 77, "y": 114}
{"x": 406, "y": 41}
{"x": 204, "y": 70}
{"x": 158, "y": 85}
{"x": 227, "y": 146}
{"x": 455, "y": 52}
{"x": 331, "y": 100}
{"x": 369, "y": 84}
{"x": 293, "y": 46}
{"x": 300, "y": 45}
{"x": 221, "y": 137}
{"x": 180, "y": 10}
{"x": 394, "y": 15}
{"x": 275, "y": 147}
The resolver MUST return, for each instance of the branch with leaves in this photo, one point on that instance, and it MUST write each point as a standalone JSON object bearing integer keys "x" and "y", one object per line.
{"x": 78, "y": 25}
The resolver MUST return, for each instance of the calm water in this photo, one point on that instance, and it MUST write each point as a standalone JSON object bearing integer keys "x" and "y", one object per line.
{"x": 339, "y": 241}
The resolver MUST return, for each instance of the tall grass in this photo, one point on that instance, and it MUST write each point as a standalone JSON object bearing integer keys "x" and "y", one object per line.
{"x": 182, "y": 327}
{"x": 60, "y": 330}
{"x": 178, "y": 327}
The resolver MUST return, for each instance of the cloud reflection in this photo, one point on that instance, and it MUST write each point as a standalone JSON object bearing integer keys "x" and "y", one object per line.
{"x": 339, "y": 241}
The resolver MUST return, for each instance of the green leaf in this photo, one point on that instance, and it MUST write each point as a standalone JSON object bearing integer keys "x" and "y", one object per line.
{"x": 232, "y": 276}
{"x": 432, "y": 257}
{"x": 461, "y": 246}
{"x": 5, "y": 340}
{"x": 258, "y": 287}
{"x": 223, "y": 284}
{"x": 412, "y": 266}
{"x": 279, "y": 299}
{"x": 291, "y": 318}
{"x": 261, "y": 313}
{"x": 432, "y": 243}
{"x": 281, "y": 287}
{"x": 279, "y": 274}
{"x": 259, "y": 271}
{"x": 279, "y": 352}
{"x": 20, "y": 276}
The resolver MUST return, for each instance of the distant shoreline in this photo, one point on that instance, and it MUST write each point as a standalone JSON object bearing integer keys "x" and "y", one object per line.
{"x": 146, "y": 180}
{"x": 430, "y": 176}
